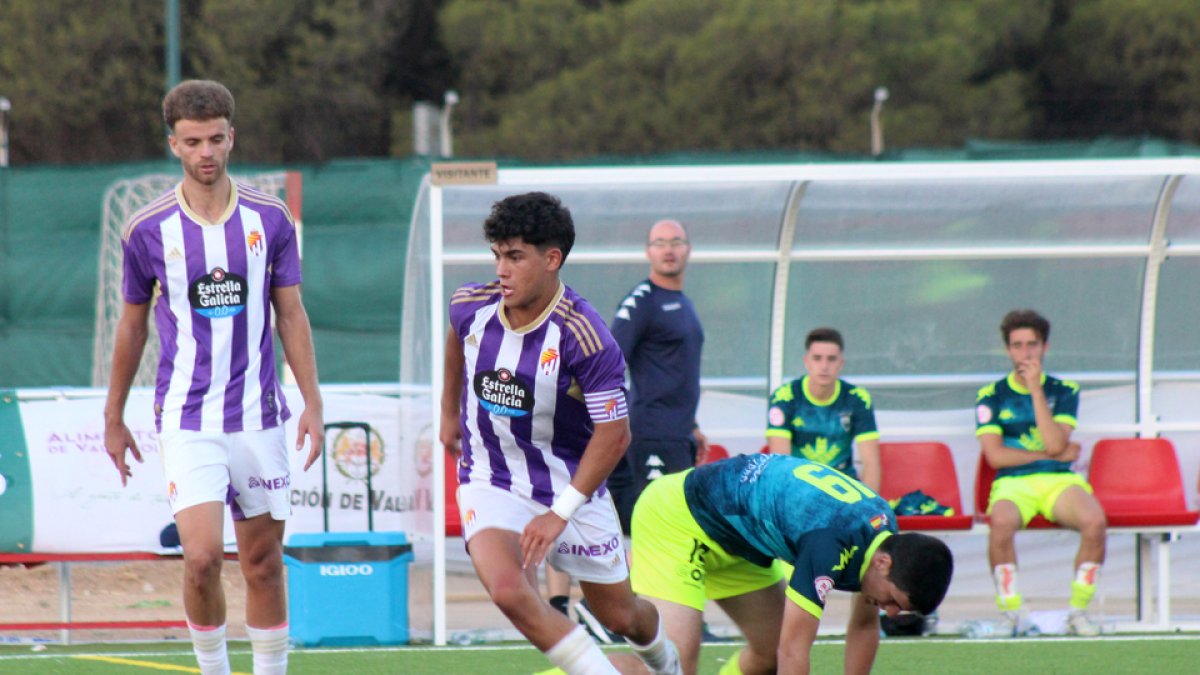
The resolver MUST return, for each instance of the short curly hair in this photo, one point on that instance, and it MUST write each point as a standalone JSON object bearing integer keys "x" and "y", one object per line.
{"x": 197, "y": 100}
{"x": 539, "y": 219}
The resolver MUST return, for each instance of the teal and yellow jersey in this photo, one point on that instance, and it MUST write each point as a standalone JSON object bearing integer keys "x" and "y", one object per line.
{"x": 768, "y": 507}
{"x": 823, "y": 431}
{"x": 1006, "y": 408}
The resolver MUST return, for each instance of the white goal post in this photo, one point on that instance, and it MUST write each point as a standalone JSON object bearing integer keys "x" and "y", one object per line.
{"x": 122, "y": 200}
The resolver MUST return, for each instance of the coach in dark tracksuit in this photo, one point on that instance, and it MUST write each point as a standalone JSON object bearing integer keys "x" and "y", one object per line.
{"x": 657, "y": 329}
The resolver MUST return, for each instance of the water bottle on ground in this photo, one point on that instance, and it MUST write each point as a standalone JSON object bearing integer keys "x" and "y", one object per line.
{"x": 467, "y": 637}
{"x": 476, "y": 637}
{"x": 983, "y": 630}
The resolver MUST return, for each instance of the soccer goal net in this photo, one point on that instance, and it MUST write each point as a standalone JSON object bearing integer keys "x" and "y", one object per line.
{"x": 122, "y": 200}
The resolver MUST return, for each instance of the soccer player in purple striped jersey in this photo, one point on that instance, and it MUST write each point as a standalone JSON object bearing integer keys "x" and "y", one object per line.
{"x": 218, "y": 256}
{"x": 535, "y": 394}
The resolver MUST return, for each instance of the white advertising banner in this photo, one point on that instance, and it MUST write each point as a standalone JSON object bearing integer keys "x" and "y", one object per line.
{"x": 401, "y": 460}
{"x": 79, "y": 503}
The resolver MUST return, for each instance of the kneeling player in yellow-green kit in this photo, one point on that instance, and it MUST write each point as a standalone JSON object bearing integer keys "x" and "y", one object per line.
{"x": 717, "y": 531}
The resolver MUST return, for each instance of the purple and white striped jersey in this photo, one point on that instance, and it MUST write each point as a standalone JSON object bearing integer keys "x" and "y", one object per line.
{"x": 532, "y": 395}
{"x": 216, "y": 369}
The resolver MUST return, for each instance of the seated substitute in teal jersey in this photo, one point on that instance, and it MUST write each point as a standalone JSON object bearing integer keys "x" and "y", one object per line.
{"x": 720, "y": 532}
{"x": 822, "y": 417}
{"x": 1024, "y": 423}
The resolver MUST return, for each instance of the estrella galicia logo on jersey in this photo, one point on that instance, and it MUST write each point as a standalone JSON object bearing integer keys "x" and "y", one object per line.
{"x": 219, "y": 294}
{"x": 502, "y": 393}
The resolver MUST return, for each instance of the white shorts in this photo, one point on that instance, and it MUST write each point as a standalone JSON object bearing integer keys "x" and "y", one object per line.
{"x": 248, "y": 470}
{"x": 589, "y": 549}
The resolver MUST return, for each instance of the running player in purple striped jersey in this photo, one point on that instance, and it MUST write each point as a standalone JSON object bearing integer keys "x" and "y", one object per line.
{"x": 218, "y": 256}
{"x": 535, "y": 394}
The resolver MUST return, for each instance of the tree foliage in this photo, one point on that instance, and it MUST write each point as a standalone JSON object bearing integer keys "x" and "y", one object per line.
{"x": 649, "y": 76}
{"x": 561, "y": 79}
{"x": 1124, "y": 67}
{"x": 313, "y": 79}
{"x": 84, "y": 79}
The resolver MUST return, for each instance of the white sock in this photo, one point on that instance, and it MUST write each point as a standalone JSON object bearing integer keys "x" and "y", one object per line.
{"x": 1005, "y": 577}
{"x": 1087, "y": 573}
{"x": 577, "y": 654}
{"x": 208, "y": 642}
{"x": 270, "y": 648}
{"x": 660, "y": 654}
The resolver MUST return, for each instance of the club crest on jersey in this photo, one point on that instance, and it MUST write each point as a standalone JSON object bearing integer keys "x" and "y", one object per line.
{"x": 254, "y": 241}
{"x": 775, "y": 416}
{"x": 845, "y": 421}
{"x": 219, "y": 294}
{"x": 610, "y": 409}
{"x": 823, "y": 585}
{"x": 549, "y": 361}
{"x": 500, "y": 392}
{"x": 983, "y": 414}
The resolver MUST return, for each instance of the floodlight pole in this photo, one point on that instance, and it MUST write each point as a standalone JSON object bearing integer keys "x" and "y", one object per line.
{"x": 171, "y": 48}
{"x": 172, "y": 43}
{"x": 451, "y": 99}
{"x": 5, "y": 106}
{"x": 881, "y": 95}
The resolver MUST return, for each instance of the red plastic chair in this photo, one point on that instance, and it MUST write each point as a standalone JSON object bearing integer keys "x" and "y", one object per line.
{"x": 716, "y": 452}
{"x": 984, "y": 475}
{"x": 1138, "y": 482}
{"x": 453, "y": 516}
{"x": 928, "y": 467}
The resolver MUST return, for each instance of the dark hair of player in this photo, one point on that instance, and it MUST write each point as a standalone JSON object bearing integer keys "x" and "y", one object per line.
{"x": 537, "y": 218}
{"x": 1025, "y": 318}
{"x": 921, "y": 567}
{"x": 823, "y": 334}
{"x": 199, "y": 100}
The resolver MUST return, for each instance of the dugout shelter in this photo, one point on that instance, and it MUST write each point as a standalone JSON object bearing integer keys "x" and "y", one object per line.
{"x": 914, "y": 262}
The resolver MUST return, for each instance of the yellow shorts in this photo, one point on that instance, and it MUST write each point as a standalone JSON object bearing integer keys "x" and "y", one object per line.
{"x": 674, "y": 560}
{"x": 1036, "y": 493}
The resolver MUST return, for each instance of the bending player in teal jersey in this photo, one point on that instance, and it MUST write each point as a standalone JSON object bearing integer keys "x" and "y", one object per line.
{"x": 822, "y": 417}
{"x": 1024, "y": 423}
{"x": 716, "y": 532}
